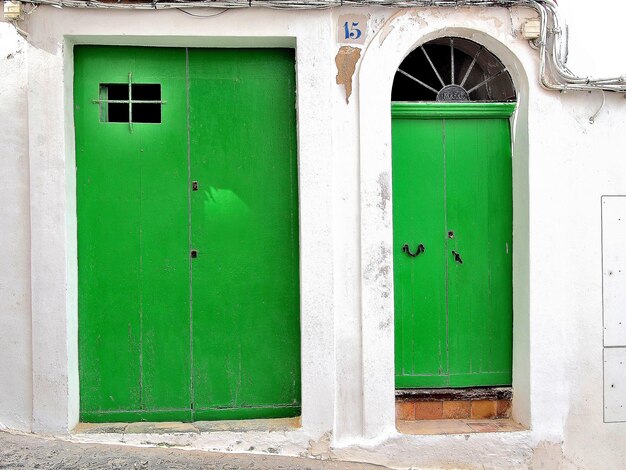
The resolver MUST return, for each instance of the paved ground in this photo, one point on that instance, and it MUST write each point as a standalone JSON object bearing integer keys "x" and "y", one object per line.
{"x": 33, "y": 452}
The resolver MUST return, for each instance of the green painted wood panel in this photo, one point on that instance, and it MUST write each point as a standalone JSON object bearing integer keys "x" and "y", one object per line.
{"x": 419, "y": 218}
{"x": 149, "y": 344}
{"x": 453, "y": 175}
{"x": 132, "y": 237}
{"x": 479, "y": 208}
{"x": 246, "y": 336}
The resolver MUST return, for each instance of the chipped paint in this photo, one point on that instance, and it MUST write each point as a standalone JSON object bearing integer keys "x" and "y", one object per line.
{"x": 549, "y": 455}
{"x": 384, "y": 33}
{"x": 384, "y": 191}
{"x": 416, "y": 17}
{"x": 388, "y": 27}
{"x": 346, "y": 60}
{"x": 378, "y": 269}
{"x": 488, "y": 17}
{"x": 320, "y": 449}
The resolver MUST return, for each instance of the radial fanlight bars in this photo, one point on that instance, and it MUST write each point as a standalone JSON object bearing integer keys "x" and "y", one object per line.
{"x": 452, "y": 69}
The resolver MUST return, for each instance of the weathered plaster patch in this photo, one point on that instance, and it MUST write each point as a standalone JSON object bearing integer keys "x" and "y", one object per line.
{"x": 373, "y": 268}
{"x": 384, "y": 33}
{"x": 384, "y": 191}
{"x": 379, "y": 270}
{"x": 320, "y": 449}
{"x": 416, "y": 17}
{"x": 488, "y": 17}
{"x": 388, "y": 27}
{"x": 549, "y": 455}
{"x": 346, "y": 60}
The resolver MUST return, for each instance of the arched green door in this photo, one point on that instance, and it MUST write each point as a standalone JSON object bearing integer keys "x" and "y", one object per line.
{"x": 452, "y": 223}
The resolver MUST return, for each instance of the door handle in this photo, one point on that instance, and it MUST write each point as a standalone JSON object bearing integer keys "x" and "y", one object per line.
{"x": 407, "y": 250}
{"x": 457, "y": 257}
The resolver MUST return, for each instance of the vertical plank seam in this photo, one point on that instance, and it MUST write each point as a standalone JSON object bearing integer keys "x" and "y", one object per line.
{"x": 189, "y": 235}
{"x": 141, "y": 162}
{"x": 445, "y": 243}
{"x": 141, "y": 394}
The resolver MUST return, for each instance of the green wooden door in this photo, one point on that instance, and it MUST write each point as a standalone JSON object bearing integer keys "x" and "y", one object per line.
{"x": 245, "y": 225}
{"x": 187, "y": 233}
{"x": 452, "y": 195}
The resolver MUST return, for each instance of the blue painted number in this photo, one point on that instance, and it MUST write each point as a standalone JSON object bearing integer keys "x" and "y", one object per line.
{"x": 352, "y": 32}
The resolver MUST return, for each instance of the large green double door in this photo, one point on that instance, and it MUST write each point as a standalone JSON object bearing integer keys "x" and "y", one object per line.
{"x": 452, "y": 222}
{"x": 187, "y": 233}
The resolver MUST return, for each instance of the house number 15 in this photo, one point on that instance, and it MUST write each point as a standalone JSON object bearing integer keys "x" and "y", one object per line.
{"x": 352, "y": 29}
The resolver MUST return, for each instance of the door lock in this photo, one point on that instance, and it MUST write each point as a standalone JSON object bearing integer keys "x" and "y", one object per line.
{"x": 194, "y": 253}
{"x": 457, "y": 257}
{"x": 407, "y": 250}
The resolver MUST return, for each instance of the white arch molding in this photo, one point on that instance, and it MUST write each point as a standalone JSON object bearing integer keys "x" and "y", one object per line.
{"x": 401, "y": 34}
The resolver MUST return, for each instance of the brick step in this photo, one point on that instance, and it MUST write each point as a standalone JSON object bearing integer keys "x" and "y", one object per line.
{"x": 473, "y": 403}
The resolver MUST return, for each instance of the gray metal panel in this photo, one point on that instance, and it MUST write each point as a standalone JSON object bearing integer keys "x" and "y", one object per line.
{"x": 614, "y": 385}
{"x": 614, "y": 269}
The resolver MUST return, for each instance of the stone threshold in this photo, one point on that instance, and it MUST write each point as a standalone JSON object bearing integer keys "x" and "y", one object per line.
{"x": 144, "y": 427}
{"x": 455, "y": 394}
{"x": 457, "y": 426}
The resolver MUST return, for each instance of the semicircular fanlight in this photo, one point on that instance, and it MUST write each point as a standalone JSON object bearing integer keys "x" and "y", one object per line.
{"x": 452, "y": 70}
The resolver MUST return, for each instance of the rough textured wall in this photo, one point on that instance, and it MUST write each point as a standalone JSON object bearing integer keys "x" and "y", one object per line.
{"x": 570, "y": 164}
{"x": 15, "y": 319}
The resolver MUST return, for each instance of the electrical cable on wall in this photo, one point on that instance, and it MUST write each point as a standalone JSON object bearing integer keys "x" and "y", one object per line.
{"x": 550, "y": 40}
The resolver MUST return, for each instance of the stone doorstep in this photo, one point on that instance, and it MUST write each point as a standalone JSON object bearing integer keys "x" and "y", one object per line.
{"x": 145, "y": 427}
{"x": 412, "y": 410}
{"x": 457, "y": 426}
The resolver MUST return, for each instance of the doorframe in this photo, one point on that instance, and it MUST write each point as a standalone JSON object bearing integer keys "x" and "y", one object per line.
{"x": 376, "y": 75}
{"x": 54, "y": 279}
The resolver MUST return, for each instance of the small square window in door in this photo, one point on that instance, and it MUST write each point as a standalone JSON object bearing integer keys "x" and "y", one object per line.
{"x": 130, "y": 103}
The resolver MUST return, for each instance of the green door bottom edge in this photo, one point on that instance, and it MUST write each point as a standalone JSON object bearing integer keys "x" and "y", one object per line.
{"x": 187, "y": 416}
{"x": 494, "y": 379}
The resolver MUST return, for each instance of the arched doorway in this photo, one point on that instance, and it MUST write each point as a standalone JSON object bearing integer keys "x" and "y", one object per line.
{"x": 452, "y": 217}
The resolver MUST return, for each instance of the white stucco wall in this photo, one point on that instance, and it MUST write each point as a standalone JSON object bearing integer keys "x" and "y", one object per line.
{"x": 594, "y": 34}
{"x": 15, "y": 312}
{"x": 562, "y": 165}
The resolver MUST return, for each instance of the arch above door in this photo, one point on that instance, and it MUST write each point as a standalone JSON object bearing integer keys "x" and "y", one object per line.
{"x": 452, "y": 70}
